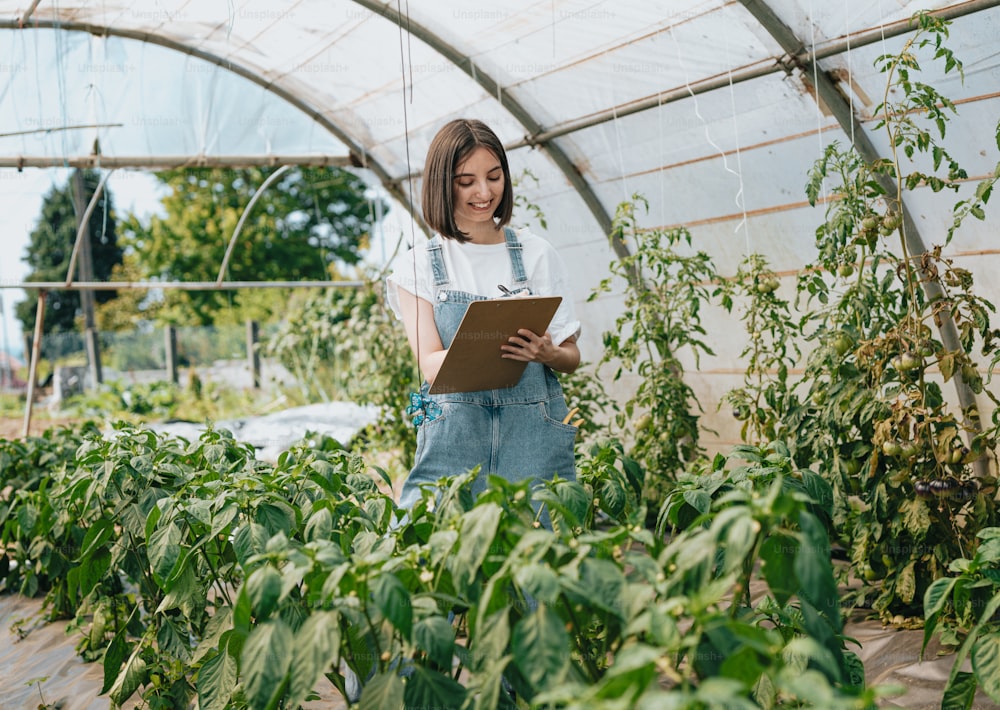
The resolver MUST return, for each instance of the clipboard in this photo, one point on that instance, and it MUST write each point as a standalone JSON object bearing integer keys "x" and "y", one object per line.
{"x": 473, "y": 361}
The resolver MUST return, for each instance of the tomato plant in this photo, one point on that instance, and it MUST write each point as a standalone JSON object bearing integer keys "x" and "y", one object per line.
{"x": 666, "y": 288}
{"x": 888, "y": 337}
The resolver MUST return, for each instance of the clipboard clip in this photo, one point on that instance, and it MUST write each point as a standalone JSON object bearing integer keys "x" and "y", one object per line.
{"x": 519, "y": 292}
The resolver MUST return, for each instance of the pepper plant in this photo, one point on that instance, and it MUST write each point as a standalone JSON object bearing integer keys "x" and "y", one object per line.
{"x": 962, "y": 609}
{"x": 200, "y": 572}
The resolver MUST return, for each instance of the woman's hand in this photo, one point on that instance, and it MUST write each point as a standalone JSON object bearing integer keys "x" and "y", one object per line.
{"x": 526, "y": 346}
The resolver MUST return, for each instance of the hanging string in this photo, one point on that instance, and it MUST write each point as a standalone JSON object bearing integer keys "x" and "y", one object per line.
{"x": 409, "y": 58}
{"x": 815, "y": 81}
{"x": 740, "y": 195}
{"x": 618, "y": 140}
{"x": 708, "y": 134}
{"x": 421, "y": 408}
{"x": 850, "y": 69}
{"x": 61, "y": 79}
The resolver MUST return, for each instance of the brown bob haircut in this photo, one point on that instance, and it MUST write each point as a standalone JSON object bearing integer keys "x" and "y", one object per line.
{"x": 452, "y": 145}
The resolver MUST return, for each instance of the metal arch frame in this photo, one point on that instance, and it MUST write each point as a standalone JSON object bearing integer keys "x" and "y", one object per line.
{"x": 525, "y": 117}
{"x": 828, "y": 92}
{"x": 363, "y": 158}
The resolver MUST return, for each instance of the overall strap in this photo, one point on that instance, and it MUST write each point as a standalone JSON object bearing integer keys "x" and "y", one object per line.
{"x": 515, "y": 251}
{"x": 437, "y": 261}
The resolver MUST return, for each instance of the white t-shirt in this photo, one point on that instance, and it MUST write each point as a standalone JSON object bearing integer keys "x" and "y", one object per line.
{"x": 479, "y": 268}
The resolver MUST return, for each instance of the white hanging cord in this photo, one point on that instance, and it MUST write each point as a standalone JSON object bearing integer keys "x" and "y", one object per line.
{"x": 61, "y": 50}
{"x": 740, "y": 195}
{"x": 708, "y": 135}
{"x": 815, "y": 81}
{"x": 618, "y": 141}
{"x": 403, "y": 56}
{"x": 850, "y": 69}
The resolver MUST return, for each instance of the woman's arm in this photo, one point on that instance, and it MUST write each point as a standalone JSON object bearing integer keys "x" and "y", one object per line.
{"x": 528, "y": 347}
{"x": 418, "y": 319}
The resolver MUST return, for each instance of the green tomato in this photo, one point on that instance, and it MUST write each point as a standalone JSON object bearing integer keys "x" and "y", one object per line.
{"x": 908, "y": 361}
{"x": 842, "y": 343}
{"x": 869, "y": 222}
{"x": 845, "y": 270}
{"x": 891, "y": 448}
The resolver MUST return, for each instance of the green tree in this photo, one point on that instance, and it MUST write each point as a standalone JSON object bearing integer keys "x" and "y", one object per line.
{"x": 51, "y": 246}
{"x": 307, "y": 225}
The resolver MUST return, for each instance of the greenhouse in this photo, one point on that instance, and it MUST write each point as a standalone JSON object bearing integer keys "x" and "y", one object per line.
{"x": 775, "y": 231}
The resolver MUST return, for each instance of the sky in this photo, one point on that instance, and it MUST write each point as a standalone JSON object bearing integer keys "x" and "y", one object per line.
{"x": 21, "y": 196}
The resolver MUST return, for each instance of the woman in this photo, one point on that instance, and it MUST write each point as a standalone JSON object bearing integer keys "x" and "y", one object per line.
{"x": 518, "y": 432}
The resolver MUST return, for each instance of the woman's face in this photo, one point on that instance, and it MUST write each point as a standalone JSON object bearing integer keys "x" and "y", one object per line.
{"x": 477, "y": 190}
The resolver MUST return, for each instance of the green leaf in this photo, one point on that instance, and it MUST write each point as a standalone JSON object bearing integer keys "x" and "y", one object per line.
{"x": 97, "y": 534}
{"x": 916, "y": 516}
{"x": 479, "y": 527}
{"x": 316, "y": 644}
{"x": 778, "y": 554}
{"x": 164, "y": 551}
{"x": 172, "y": 639}
{"x": 541, "y": 647}
{"x": 430, "y": 689}
{"x": 130, "y": 677}
{"x": 741, "y": 536}
{"x": 217, "y": 625}
{"x": 320, "y": 525}
{"x": 960, "y": 691}
{"x": 906, "y": 583}
{"x": 935, "y": 598}
{"x": 394, "y": 602}
{"x": 185, "y": 593}
{"x": 603, "y": 583}
{"x": 113, "y": 659}
{"x": 383, "y": 692}
{"x": 250, "y": 540}
{"x": 436, "y": 637}
{"x": 223, "y": 518}
{"x": 814, "y": 569}
{"x": 264, "y": 590}
{"x": 267, "y": 655}
{"x": 492, "y": 637}
{"x": 216, "y": 682}
{"x": 276, "y": 516}
{"x": 540, "y": 581}
{"x": 986, "y": 663}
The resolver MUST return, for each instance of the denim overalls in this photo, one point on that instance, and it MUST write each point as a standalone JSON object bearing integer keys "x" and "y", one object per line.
{"x": 516, "y": 432}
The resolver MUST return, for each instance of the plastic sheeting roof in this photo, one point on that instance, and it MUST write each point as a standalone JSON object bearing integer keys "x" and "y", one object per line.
{"x": 708, "y": 108}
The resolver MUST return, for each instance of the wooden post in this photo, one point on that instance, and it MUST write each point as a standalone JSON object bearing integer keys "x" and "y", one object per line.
{"x": 253, "y": 355}
{"x": 36, "y": 348}
{"x": 170, "y": 353}
{"x": 87, "y": 274}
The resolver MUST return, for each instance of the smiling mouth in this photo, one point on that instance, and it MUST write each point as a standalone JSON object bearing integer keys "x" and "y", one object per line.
{"x": 480, "y": 205}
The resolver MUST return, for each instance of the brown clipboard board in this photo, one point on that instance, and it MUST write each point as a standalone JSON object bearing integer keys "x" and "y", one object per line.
{"x": 474, "y": 361}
